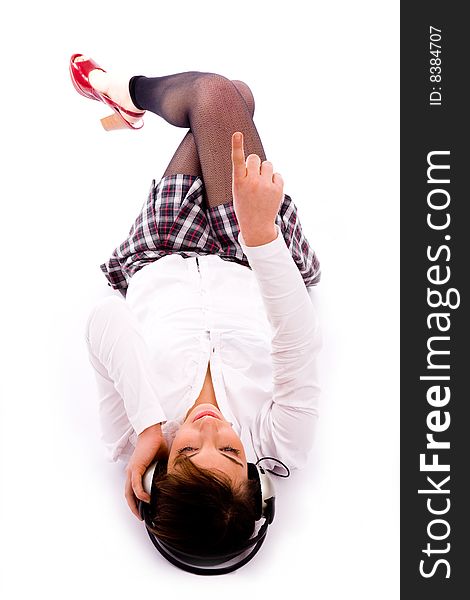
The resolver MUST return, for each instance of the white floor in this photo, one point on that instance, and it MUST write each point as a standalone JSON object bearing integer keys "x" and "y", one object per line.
{"x": 326, "y": 90}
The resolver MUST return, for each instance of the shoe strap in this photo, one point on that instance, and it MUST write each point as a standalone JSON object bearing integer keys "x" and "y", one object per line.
{"x": 85, "y": 67}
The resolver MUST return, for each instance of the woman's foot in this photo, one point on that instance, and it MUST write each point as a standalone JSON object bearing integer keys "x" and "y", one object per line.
{"x": 115, "y": 87}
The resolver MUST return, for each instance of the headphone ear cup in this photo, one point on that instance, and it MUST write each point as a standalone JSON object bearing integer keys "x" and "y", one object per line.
{"x": 265, "y": 501}
{"x": 153, "y": 471}
{"x": 147, "y": 478}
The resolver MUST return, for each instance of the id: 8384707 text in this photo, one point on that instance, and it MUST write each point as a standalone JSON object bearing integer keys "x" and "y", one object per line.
{"x": 435, "y": 66}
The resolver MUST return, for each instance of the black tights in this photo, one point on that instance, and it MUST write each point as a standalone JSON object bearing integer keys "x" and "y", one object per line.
{"x": 213, "y": 107}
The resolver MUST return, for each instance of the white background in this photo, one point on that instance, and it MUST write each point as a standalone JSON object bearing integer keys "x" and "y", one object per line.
{"x": 325, "y": 80}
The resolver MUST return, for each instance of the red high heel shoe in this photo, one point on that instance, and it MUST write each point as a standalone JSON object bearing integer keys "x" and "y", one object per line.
{"x": 79, "y": 72}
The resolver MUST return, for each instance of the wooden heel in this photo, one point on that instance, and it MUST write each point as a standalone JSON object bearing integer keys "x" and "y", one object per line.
{"x": 114, "y": 121}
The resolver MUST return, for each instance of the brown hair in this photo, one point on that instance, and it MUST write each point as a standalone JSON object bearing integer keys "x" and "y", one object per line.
{"x": 200, "y": 512}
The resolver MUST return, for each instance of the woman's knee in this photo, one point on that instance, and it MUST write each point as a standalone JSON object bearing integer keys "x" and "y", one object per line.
{"x": 217, "y": 90}
{"x": 247, "y": 94}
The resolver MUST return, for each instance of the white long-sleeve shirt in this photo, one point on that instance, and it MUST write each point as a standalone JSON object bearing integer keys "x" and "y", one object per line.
{"x": 257, "y": 328}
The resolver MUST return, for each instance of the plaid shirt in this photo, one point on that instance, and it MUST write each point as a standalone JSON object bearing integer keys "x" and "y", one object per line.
{"x": 175, "y": 220}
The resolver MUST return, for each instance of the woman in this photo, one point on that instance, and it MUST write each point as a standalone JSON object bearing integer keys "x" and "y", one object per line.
{"x": 210, "y": 360}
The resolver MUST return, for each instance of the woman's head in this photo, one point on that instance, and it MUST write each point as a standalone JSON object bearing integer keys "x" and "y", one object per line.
{"x": 204, "y": 503}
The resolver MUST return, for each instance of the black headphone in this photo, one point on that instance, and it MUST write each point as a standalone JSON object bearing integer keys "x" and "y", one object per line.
{"x": 204, "y": 565}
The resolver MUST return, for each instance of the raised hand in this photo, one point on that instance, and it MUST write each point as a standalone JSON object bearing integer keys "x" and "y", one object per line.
{"x": 257, "y": 194}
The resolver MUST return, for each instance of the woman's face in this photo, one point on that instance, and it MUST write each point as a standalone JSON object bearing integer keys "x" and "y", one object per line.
{"x": 211, "y": 443}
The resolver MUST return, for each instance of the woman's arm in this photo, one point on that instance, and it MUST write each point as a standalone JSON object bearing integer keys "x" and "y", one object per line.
{"x": 286, "y": 428}
{"x": 128, "y": 390}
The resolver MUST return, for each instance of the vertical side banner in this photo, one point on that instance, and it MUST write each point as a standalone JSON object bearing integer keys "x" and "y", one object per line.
{"x": 435, "y": 357}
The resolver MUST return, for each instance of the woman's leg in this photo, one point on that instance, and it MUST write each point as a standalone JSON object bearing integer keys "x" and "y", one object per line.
{"x": 186, "y": 158}
{"x": 213, "y": 108}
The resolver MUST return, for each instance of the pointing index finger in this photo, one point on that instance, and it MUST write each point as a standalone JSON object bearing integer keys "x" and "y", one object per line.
{"x": 238, "y": 155}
